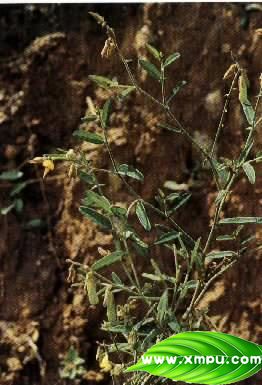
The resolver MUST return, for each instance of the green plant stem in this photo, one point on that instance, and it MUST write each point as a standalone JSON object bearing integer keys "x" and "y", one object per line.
{"x": 165, "y": 107}
{"x": 102, "y": 278}
{"x": 139, "y": 197}
{"x": 231, "y": 181}
{"x": 210, "y": 281}
{"x": 226, "y": 104}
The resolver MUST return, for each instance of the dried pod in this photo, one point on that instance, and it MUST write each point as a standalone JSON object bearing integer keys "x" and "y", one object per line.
{"x": 102, "y": 251}
{"x": 132, "y": 338}
{"x": 109, "y": 303}
{"x": 243, "y": 84}
{"x": 91, "y": 288}
{"x": 108, "y": 48}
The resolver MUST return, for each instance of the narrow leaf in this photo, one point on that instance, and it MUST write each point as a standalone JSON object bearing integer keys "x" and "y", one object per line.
{"x": 87, "y": 178}
{"x": 250, "y": 172}
{"x": 96, "y": 217}
{"x": 241, "y": 220}
{"x": 18, "y": 188}
{"x": 106, "y": 112}
{"x": 90, "y": 137}
{"x": 135, "y": 238}
{"x": 167, "y": 237}
{"x": 225, "y": 237}
{"x": 152, "y": 277}
{"x": 108, "y": 260}
{"x": 220, "y": 254}
{"x": 150, "y": 69}
{"x": 142, "y": 216}
{"x": 154, "y": 52}
{"x": 130, "y": 171}
{"x": 162, "y": 307}
{"x": 102, "y": 81}
{"x": 99, "y": 201}
{"x": 89, "y": 118}
{"x": 11, "y": 175}
{"x": 172, "y": 58}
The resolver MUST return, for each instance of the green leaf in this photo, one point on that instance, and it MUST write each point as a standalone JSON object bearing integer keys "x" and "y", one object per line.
{"x": 11, "y": 175}
{"x": 171, "y": 58}
{"x": 116, "y": 279}
{"x": 127, "y": 90}
{"x": 142, "y": 216}
{"x": 162, "y": 307}
{"x": 34, "y": 224}
{"x": 96, "y": 217}
{"x": 175, "y": 90}
{"x": 221, "y": 254}
{"x": 225, "y": 237}
{"x": 222, "y": 171}
{"x": 150, "y": 69}
{"x": 99, "y": 201}
{"x": 167, "y": 237}
{"x": 250, "y": 172}
{"x": 201, "y": 344}
{"x": 106, "y": 113}
{"x": 154, "y": 52}
{"x": 248, "y": 111}
{"x": 130, "y": 171}
{"x": 87, "y": 178}
{"x": 18, "y": 188}
{"x": 241, "y": 220}
{"x": 195, "y": 255}
{"x": 90, "y": 137}
{"x": 102, "y": 81}
{"x": 119, "y": 211}
{"x": 89, "y": 118}
{"x": 152, "y": 277}
{"x": 135, "y": 238}
{"x": 108, "y": 260}
{"x": 181, "y": 200}
{"x": 19, "y": 205}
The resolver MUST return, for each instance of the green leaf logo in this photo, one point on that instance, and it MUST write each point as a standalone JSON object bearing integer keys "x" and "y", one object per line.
{"x": 202, "y": 358}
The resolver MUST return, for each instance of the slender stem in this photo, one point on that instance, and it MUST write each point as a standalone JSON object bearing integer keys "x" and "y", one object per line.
{"x": 189, "y": 309}
{"x": 211, "y": 280}
{"x": 220, "y": 125}
{"x": 165, "y": 107}
{"x": 233, "y": 177}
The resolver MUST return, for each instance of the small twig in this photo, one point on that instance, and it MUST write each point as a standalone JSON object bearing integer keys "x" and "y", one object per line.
{"x": 211, "y": 280}
{"x": 220, "y": 125}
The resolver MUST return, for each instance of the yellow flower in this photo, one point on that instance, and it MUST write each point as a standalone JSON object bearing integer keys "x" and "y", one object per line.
{"x": 48, "y": 165}
{"x": 105, "y": 364}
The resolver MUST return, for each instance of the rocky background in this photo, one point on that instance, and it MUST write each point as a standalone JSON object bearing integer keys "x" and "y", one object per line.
{"x": 46, "y": 55}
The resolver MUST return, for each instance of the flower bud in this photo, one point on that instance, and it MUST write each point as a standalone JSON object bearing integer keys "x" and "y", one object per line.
{"x": 91, "y": 288}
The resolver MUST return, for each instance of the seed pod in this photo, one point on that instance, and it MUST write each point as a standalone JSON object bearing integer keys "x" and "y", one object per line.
{"x": 109, "y": 302}
{"x": 132, "y": 338}
{"x": 102, "y": 251}
{"x": 108, "y": 49}
{"x": 243, "y": 86}
{"x": 230, "y": 71}
{"x": 91, "y": 288}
